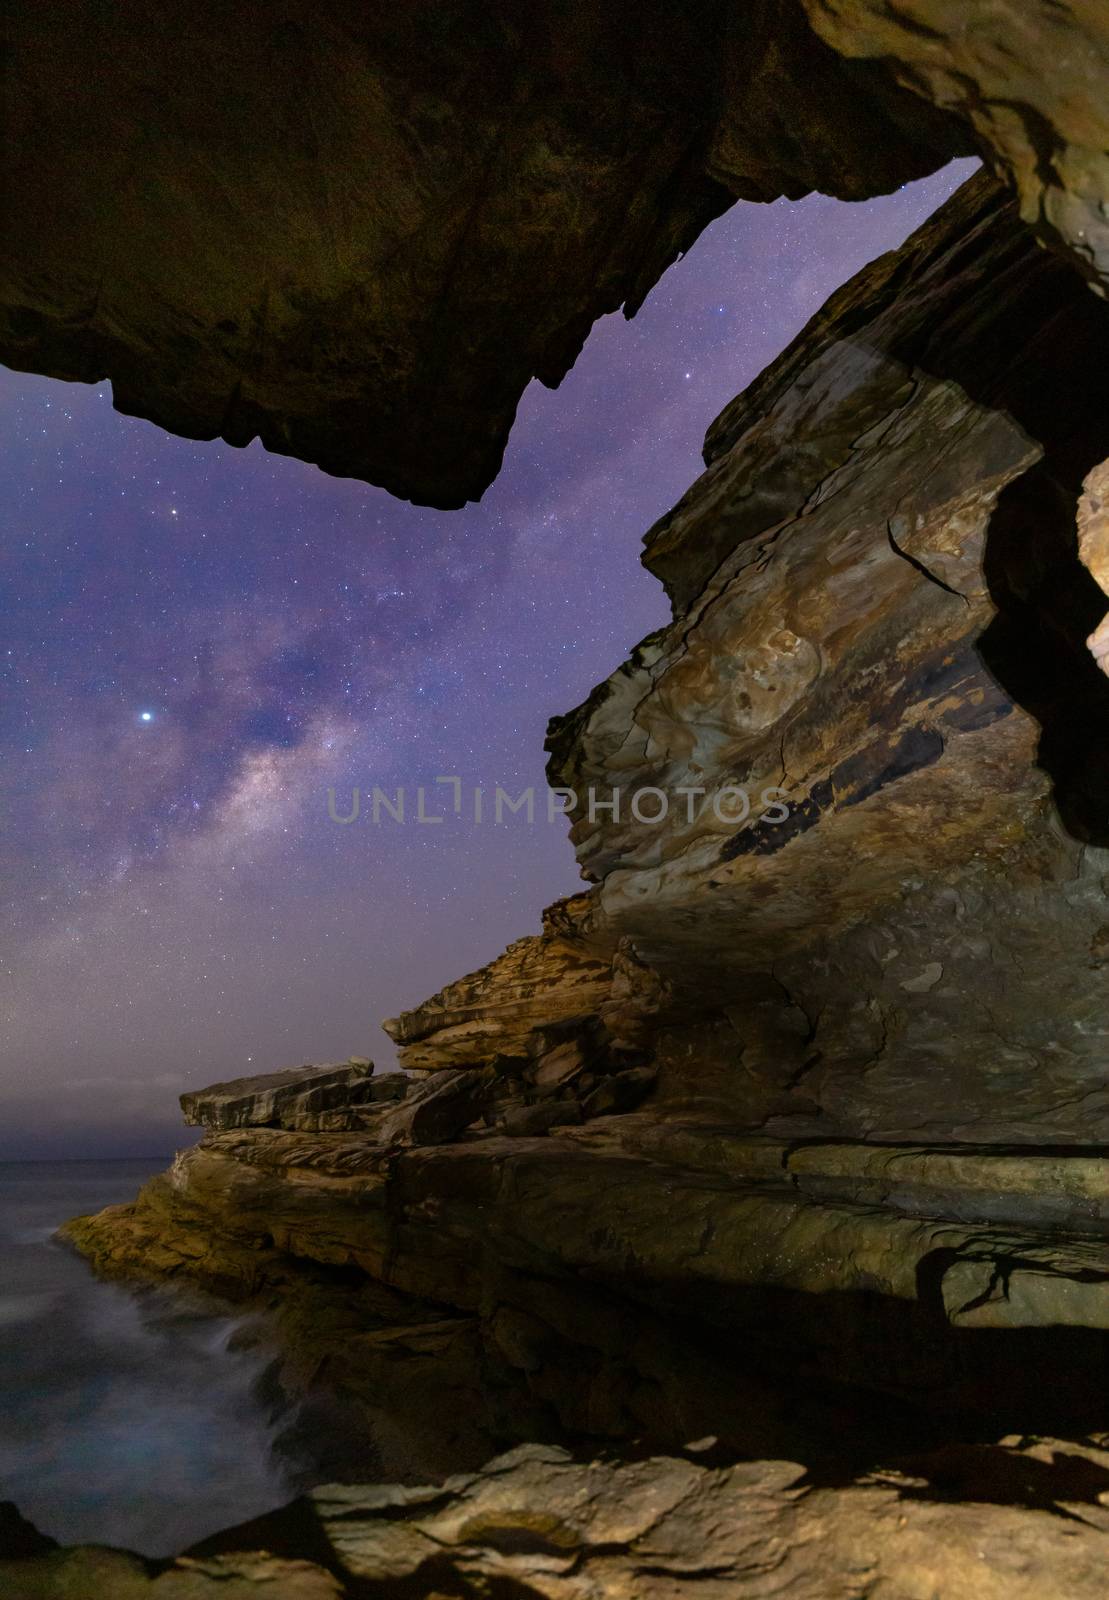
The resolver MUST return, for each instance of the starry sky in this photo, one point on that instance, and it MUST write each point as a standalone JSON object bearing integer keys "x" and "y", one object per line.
{"x": 198, "y": 642}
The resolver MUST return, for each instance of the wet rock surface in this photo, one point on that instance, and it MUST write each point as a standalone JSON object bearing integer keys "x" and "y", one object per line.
{"x": 911, "y": 1272}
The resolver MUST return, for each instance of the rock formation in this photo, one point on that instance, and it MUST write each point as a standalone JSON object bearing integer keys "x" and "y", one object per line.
{"x": 564, "y": 974}
{"x": 358, "y": 233}
{"x": 814, "y": 1072}
{"x": 307, "y": 1098}
{"x": 1029, "y": 79}
{"x": 535, "y": 1525}
{"x": 788, "y": 1133}
{"x": 880, "y": 617}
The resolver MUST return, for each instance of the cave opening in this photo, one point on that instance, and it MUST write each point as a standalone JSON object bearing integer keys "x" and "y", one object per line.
{"x": 744, "y": 1222}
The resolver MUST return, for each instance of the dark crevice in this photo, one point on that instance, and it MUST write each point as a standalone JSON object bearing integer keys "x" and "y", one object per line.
{"x": 1040, "y": 354}
{"x": 924, "y": 571}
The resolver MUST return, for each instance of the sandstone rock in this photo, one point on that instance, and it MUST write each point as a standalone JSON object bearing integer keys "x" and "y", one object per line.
{"x": 563, "y": 974}
{"x": 559, "y": 1065}
{"x": 371, "y": 284}
{"x": 437, "y": 1110}
{"x": 1093, "y": 549}
{"x": 87, "y": 1570}
{"x": 537, "y": 1522}
{"x": 385, "y": 1086}
{"x": 1030, "y": 81}
{"x": 294, "y": 1098}
{"x": 843, "y": 1260}
{"x": 879, "y": 640}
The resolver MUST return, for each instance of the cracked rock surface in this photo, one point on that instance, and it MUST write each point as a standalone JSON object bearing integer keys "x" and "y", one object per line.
{"x": 536, "y": 1525}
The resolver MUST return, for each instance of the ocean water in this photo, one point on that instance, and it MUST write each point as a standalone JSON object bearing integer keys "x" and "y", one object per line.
{"x": 125, "y": 1419}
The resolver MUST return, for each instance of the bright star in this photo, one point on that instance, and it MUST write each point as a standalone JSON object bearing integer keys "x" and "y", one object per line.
{"x": 146, "y": 716}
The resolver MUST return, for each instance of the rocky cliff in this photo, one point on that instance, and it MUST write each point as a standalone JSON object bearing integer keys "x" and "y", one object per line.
{"x": 784, "y": 1142}
{"x": 873, "y": 907}
{"x": 788, "y": 1133}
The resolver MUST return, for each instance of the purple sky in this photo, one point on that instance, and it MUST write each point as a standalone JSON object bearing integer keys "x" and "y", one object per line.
{"x": 178, "y": 907}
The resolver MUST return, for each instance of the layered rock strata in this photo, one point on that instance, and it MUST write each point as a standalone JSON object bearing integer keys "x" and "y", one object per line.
{"x": 844, "y": 1262}
{"x": 865, "y": 1039}
{"x": 564, "y": 974}
{"x": 880, "y": 620}
{"x": 307, "y": 1098}
{"x": 535, "y": 1525}
{"x": 792, "y": 1130}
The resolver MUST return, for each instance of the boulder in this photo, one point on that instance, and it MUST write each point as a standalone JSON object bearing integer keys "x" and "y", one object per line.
{"x": 621, "y": 1092}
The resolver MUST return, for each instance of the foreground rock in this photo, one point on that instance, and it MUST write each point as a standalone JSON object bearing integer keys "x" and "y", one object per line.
{"x": 537, "y": 1524}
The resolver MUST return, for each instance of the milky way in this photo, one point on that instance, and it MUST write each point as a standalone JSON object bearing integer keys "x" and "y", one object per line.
{"x": 199, "y": 642}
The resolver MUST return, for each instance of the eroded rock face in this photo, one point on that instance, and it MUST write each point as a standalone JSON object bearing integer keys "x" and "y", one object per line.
{"x": 307, "y": 1098}
{"x": 1030, "y": 80}
{"x": 828, "y": 1086}
{"x": 372, "y": 284}
{"x": 879, "y": 639}
{"x": 536, "y": 1523}
{"x": 879, "y": 647}
{"x": 358, "y": 233}
{"x": 565, "y": 972}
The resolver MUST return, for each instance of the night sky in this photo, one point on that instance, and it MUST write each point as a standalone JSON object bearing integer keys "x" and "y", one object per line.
{"x": 199, "y": 641}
